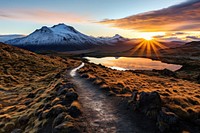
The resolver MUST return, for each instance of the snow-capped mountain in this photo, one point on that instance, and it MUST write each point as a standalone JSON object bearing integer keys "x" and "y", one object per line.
{"x": 63, "y": 35}
{"x": 112, "y": 40}
{"x": 4, "y": 38}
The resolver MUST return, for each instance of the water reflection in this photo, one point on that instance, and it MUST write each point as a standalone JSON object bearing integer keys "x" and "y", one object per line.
{"x": 130, "y": 63}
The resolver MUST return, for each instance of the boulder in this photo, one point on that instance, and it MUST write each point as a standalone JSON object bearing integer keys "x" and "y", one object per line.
{"x": 149, "y": 104}
{"x": 30, "y": 95}
{"x": 23, "y": 120}
{"x": 2, "y": 125}
{"x": 66, "y": 127}
{"x": 47, "y": 106}
{"x": 71, "y": 96}
{"x": 9, "y": 127}
{"x": 167, "y": 121}
{"x": 69, "y": 85}
{"x": 75, "y": 109}
{"x": 59, "y": 119}
{"x": 56, "y": 101}
{"x": 55, "y": 110}
{"x": 62, "y": 91}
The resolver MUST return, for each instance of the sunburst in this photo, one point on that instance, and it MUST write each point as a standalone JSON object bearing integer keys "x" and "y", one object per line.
{"x": 148, "y": 48}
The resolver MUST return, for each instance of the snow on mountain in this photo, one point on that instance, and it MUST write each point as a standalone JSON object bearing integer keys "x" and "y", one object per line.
{"x": 112, "y": 40}
{"x": 4, "y": 38}
{"x": 62, "y": 34}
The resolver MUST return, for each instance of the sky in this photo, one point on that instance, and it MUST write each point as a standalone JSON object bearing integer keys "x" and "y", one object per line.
{"x": 130, "y": 18}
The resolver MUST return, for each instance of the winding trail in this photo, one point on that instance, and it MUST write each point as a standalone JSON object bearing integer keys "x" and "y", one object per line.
{"x": 107, "y": 114}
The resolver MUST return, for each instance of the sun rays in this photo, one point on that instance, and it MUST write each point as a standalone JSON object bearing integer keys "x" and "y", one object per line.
{"x": 148, "y": 47}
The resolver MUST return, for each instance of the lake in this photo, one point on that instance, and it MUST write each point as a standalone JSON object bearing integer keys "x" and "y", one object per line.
{"x": 132, "y": 63}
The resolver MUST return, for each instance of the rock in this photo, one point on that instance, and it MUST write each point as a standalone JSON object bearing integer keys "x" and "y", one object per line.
{"x": 27, "y": 102}
{"x": 47, "y": 106}
{"x": 9, "y": 127}
{"x": 66, "y": 127}
{"x": 57, "y": 109}
{"x": 30, "y": 95}
{"x": 23, "y": 120}
{"x": 84, "y": 76}
{"x": 149, "y": 103}
{"x": 68, "y": 118}
{"x": 49, "y": 98}
{"x": 62, "y": 91}
{"x": 44, "y": 114}
{"x": 74, "y": 109}
{"x": 59, "y": 119}
{"x": 134, "y": 96}
{"x": 166, "y": 72}
{"x": 71, "y": 96}
{"x": 17, "y": 131}
{"x": 37, "y": 112}
{"x": 163, "y": 127}
{"x": 167, "y": 116}
{"x": 69, "y": 85}
{"x": 2, "y": 124}
{"x": 167, "y": 121}
{"x": 55, "y": 101}
{"x": 58, "y": 86}
{"x": 197, "y": 122}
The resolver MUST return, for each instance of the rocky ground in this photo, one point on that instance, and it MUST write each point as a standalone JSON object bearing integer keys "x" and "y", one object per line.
{"x": 35, "y": 96}
{"x": 170, "y": 101}
{"x": 38, "y": 95}
{"x": 108, "y": 114}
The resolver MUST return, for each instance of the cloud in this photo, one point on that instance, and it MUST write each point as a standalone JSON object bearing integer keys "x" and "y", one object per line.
{"x": 40, "y": 16}
{"x": 181, "y": 17}
{"x": 179, "y": 36}
{"x": 196, "y": 38}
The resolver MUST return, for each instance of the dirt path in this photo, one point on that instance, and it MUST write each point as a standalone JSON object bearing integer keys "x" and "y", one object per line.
{"x": 106, "y": 114}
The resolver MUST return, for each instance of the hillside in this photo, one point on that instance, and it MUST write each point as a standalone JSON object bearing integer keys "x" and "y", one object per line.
{"x": 176, "y": 100}
{"x": 31, "y": 92}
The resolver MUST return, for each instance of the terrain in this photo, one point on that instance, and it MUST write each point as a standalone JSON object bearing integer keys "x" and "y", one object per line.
{"x": 179, "y": 97}
{"x": 48, "y": 93}
{"x": 4, "y": 38}
{"x": 35, "y": 95}
{"x": 180, "y": 53}
{"x": 44, "y": 94}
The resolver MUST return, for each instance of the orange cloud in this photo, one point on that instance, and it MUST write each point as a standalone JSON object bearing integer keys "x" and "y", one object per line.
{"x": 40, "y": 16}
{"x": 185, "y": 16}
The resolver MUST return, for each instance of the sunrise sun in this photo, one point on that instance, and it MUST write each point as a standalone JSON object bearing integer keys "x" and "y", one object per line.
{"x": 148, "y": 38}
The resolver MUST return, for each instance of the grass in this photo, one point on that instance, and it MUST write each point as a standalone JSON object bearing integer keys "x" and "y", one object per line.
{"x": 27, "y": 85}
{"x": 180, "y": 96}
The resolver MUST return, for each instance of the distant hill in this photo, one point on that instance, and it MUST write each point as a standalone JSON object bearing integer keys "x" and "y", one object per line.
{"x": 62, "y": 37}
{"x": 4, "y": 38}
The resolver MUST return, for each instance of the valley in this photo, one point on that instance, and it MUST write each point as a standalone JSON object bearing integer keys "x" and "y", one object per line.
{"x": 75, "y": 83}
{"x": 48, "y": 93}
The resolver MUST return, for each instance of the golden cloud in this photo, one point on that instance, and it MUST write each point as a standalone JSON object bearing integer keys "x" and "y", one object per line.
{"x": 40, "y": 16}
{"x": 182, "y": 17}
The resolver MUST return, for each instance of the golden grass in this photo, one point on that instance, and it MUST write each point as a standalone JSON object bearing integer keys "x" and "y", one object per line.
{"x": 180, "y": 96}
{"x": 26, "y": 81}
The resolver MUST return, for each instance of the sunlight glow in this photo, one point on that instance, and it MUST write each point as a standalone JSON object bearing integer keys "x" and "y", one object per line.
{"x": 148, "y": 48}
{"x": 148, "y": 38}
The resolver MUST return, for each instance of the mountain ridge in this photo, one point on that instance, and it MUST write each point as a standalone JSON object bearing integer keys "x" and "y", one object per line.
{"x": 65, "y": 35}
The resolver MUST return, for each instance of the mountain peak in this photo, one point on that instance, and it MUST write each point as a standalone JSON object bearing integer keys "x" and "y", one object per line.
{"x": 62, "y": 34}
{"x": 117, "y": 35}
{"x": 44, "y": 29}
{"x": 62, "y": 26}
